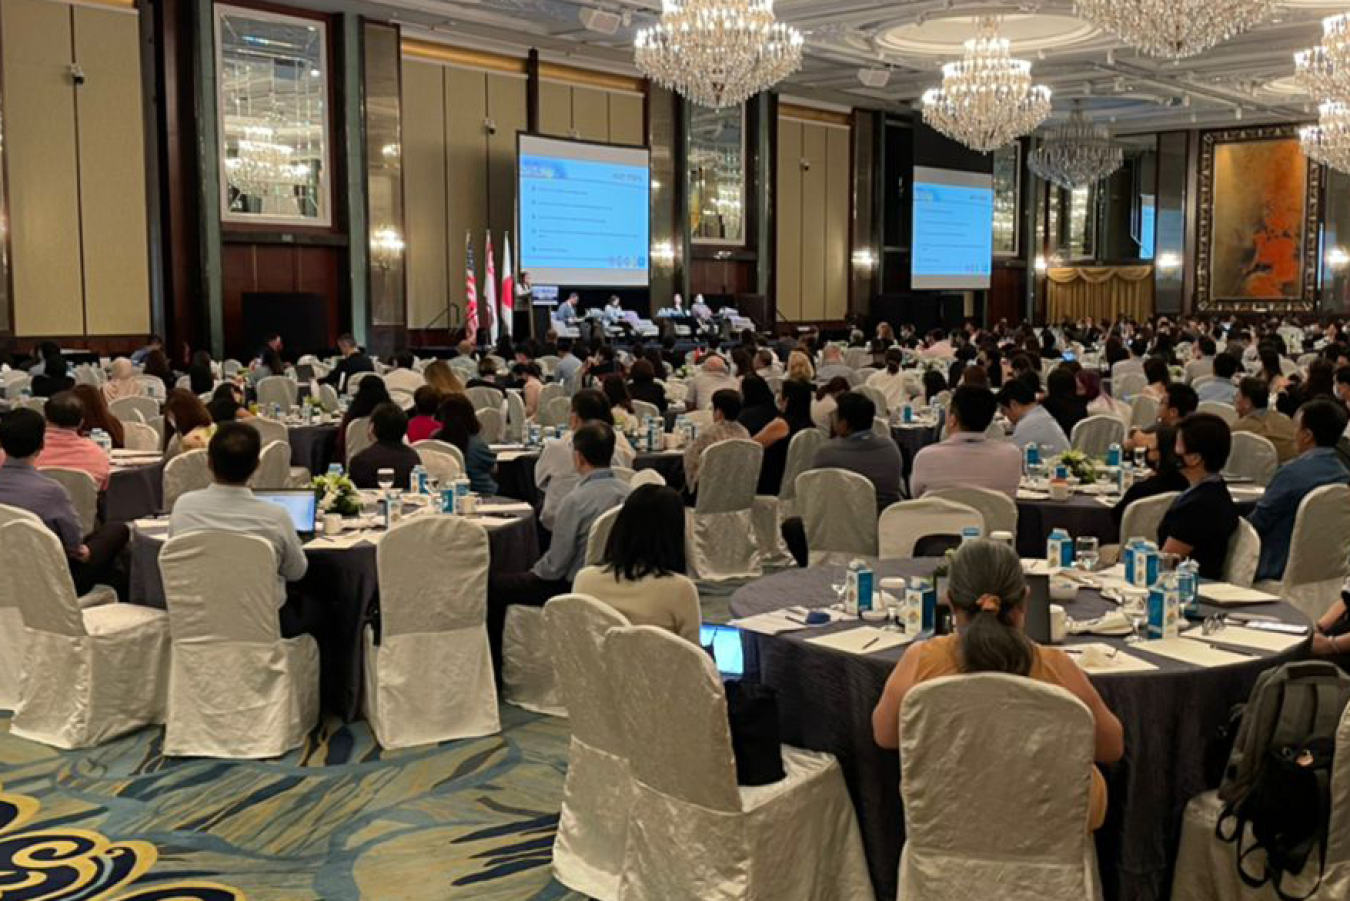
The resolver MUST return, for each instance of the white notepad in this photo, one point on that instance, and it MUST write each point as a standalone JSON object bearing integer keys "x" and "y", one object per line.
{"x": 1025, "y": 494}
{"x": 520, "y": 507}
{"x": 509, "y": 456}
{"x": 1101, "y": 658}
{"x": 1243, "y": 637}
{"x": 862, "y": 640}
{"x": 1227, "y": 595}
{"x": 1188, "y": 650}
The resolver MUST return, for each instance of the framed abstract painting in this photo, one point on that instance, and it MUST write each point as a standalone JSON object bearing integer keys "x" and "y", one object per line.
{"x": 1256, "y": 232}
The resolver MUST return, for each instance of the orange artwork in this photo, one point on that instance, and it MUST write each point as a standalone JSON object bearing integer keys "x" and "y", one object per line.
{"x": 1259, "y": 195}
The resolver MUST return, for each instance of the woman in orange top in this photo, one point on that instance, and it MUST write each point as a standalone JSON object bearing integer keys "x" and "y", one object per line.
{"x": 986, "y": 590}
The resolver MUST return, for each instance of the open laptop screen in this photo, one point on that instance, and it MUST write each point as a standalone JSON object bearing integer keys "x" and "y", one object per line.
{"x": 301, "y": 505}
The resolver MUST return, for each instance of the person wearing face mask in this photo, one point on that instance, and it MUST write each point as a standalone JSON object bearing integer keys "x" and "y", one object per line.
{"x": 891, "y": 380}
{"x": 1202, "y": 518}
{"x": 1164, "y": 476}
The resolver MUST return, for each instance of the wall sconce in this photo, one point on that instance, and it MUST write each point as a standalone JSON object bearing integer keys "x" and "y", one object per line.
{"x": 864, "y": 259}
{"x": 386, "y": 248}
{"x": 663, "y": 253}
{"x": 1337, "y": 258}
{"x": 1169, "y": 262}
{"x": 1041, "y": 264}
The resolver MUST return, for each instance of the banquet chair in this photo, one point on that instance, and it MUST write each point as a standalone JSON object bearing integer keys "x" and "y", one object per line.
{"x": 550, "y": 391}
{"x": 1226, "y": 412}
{"x": 801, "y": 451}
{"x": 277, "y": 389}
{"x": 548, "y": 363}
{"x": 442, "y": 459}
{"x": 882, "y": 428}
{"x": 645, "y": 477}
{"x": 857, "y": 357}
{"x": 484, "y": 398}
{"x": 355, "y": 379}
{"x": 12, "y": 639}
{"x": 905, "y": 523}
{"x": 997, "y": 509}
{"x": 515, "y": 416}
{"x": 978, "y": 752}
{"x": 328, "y": 398}
{"x": 1319, "y": 552}
{"x": 237, "y": 689}
{"x": 90, "y": 673}
{"x": 152, "y": 386}
{"x": 838, "y": 510}
{"x": 556, "y": 411}
{"x": 269, "y": 430}
{"x": 598, "y": 788}
{"x": 138, "y": 436}
{"x": 878, "y": 400}
{"x": 134, "y": 409}
{"x": 185, "y": 472}
{"x": 1129, "y": 385}
{"x": 1143, "y": 411}
{"x": 428, "y": 674}
{"x": 491, "y": 424}
{"x": 1244, "y": 550}
{"x": 358, "y": 437}
{"x": 230, "y": 368}
{"x": 1095, "y": 434}
{"x": 1207, "y": 866}
{"x": 1254, "y": 457}
{"x": 694, "y": 834}
{"x": 82, "y": 490}
{"x": 720, "y": 535}
{"x": 598, "y": 539}
{"x": 274, "y": 468}
{"x": 1142, "y": 517}
{"x": 644, "y": 410}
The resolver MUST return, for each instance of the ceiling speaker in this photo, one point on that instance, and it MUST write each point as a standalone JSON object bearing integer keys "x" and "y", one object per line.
{"x": 599, "y": 20}
{"x": 874, "y": 78}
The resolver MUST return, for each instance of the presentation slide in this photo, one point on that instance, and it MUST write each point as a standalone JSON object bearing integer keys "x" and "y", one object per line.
{"x": 583, "y": 212}
{"x": 953, "y": 243}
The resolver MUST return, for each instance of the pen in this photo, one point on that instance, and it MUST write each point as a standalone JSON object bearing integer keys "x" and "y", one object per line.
{"x": 870, "y": 643}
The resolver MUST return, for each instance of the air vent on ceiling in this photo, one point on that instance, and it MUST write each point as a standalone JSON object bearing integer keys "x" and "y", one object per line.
{"x": 599, "y": 20}
{"x": 874, "y": 78}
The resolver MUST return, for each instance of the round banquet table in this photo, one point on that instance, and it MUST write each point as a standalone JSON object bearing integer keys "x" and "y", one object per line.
{"x": 134, "y": 492}
{"x": 312, "y": 446}
{"x": 515, "y": 471}
{"x": 1169, "y": 714}
{"x": 911, "y": 439}
{"x": 345, "y": 583}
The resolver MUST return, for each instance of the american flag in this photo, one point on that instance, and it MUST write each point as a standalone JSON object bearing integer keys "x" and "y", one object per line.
{"x": 470, "y": 292}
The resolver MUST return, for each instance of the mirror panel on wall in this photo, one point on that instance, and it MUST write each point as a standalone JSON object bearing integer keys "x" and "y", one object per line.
{"x": 6, "y": 325}
{"x": 384, "y": 174}
{"x": 1007, "y": 189}
{"x": 272, "y": 76}
{"x": 1335, "y": 281}
{"x": 716, "y": 175}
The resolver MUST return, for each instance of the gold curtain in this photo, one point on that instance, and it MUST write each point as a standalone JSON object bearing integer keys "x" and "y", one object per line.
{"x": 1101, "y": 292}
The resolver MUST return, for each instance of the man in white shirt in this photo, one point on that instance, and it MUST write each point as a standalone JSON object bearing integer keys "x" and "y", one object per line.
{"x": 555, "y": 474}
{"x": 1203, "y": 362}
{"x": 891, "y": 380}
{"x": 714, "y": 377}
{"x": 1138, "y": 348}
{"x": 1032, "y": 423}
{"x": 228, "y": 505}
{"x": 967, "y": 458}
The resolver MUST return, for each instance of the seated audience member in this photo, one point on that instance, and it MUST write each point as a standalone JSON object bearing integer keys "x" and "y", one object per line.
{"x": 92, "y": 557}
{"x": 388, "y": 426}
{"x": 832, "y": 365}
{"x": 460, "y": 427}
{"x": 642, "y": 385}
{"x": 64, "y": 447}
{"x": 555, "y": 473}
{"x": 370, "y": 393}
{"x": 568, "y": 368}
{"x": 891, "y": 380}
{"x": 201, "y": 374}
{"x": 424, "y": 424}
{"x": 1099, "y": 401}
{"x": 353, "y": 361}
{"x": 986, "y": 591}
{"x": 620, "y": 404}
{"x": 1202, "y": 519}
{"x": 227, "y": 404}
{"x": 642, "y": 574}
{"x": 1062, "y": 400}
{"x": 156, "y": 343}
{"x": 1179, "y": 402}
{"x": 854, "y": 446}
{"x": 157, "y": 365}
{"x": 187, "y": 423}
{"x": 1318, "y": 425}
{"x": 766, "y": 365}
{"x": 269, "y": 364}
{"x": 441, "y": 376}
{"x": 98, "y": 416}
{"x": 1331, "y": 637}
{"x": 826, "y": 400}
{"x": 713, "y": 377}
{"x": 54, "y": 379}
{"x": 531, "y": 380}
{"x": 595, "y": 491}
{"x": 726, "y": 407}
{"x": 1254, "y": 415}
{"x": 122, "y": 381}
{"x": 487, "y": 376}
{"x": 1221, "y": 388}
{"x": 1164, "y": 472}
{"x": 228, "y": 505}
{"x": 1032, "y": 424}
{"x": 1202, "y": 360}
{"x": 758, "y": 407}
{"x": 403, "y": 377}
{"x": 966, "y": 457}
{"x": 934, "y": 383}
{"x": 799, "y": 368}
{"x": 1159, "y": 377}
{"x": 776, "y": 437}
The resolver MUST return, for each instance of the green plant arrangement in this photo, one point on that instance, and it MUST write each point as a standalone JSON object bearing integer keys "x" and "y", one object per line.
{"x": 1081, "y": 466}
{"x": 336, "y": 494}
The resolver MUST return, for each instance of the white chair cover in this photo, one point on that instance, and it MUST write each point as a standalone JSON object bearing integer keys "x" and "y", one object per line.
{"x": 644, "y": 410}
{"x": 274, "y": 468}
{"x": 766, "y": 514}
{"x": 12, "y": 636}
{"x": 801, "y": 451}
{"x": 134, "y": 409}
{"x": 1253, "y": 456}
{"x": 430, "y": 677}
{"x": 484, "y": 398}
{"x": 152, "y": 386}
{"x": 1143, "y": 411}
{"x": 903, "y": 524}
{"x": 358, "y": 437}
{"x": 838, "y": 510}
{"x": 1207, "y": 866}
{"x": 998, "y": 510}
{"x": 441, "y": 458}
{"x": 1244, "y": 550}
{"x": 186, "y": 472}
{"x": 1319, "y": 552}
{"x": 355, "y": 379}
{"x": 1095, "y": 434}
{"x": 88, "y": 674}
{"x": 328, "y": 398}
{"x": 597, "y": 540}
{"x": 996, "y": 785}
{"x": 555, "y": 411}
{"x": 1128, "y": 385}
{"x": 82, "y": 491}
{"x": 646, "y": 477}
{"x": 877, "y": 398}
{"x": 547, "y": 363}
{"x": 515, "y": 416}
{"x": 269, "y": 430}
{"x": 139, "y": 436}
{"x": 598, "y": 791}
{"x": 720, "y": 531}
{"x": 550, "y": 391}
{"x": 492, "y": 423}
{"x": 694, "y": 834}
{"x": 1142, "y": 518}
{"x": 1226, "y": 412}
{"x": 528, "y": 678}
{"x": 277, "y": 389}
{"x": 238, "y": 689}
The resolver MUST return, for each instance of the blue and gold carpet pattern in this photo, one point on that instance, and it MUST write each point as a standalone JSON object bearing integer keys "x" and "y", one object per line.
{"x": 338, "y": 820}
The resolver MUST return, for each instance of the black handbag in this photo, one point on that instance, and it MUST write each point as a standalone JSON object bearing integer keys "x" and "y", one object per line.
{"x": 752, "y": 713}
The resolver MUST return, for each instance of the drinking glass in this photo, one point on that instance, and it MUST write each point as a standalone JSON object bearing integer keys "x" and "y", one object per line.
{"x": 1087, "y": 550}
{"x": 839, "y": 585}
{"x": 1135, "y": 607}
{"x": 1140, "y": 457}
{"x": 384, "y": 477}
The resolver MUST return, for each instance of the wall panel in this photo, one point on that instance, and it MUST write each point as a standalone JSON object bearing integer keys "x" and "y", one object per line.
{"x": 506, "y": 108}
{"x": 41, "y": 156}
{"x": 555, "y": 109}
{"x": 112, "y": 173}
{"x": 590, "y": 113}
{"x": 424, "y": 176}
{"x": 465, "y": 171}
{"x": 837, "y": 170}
{"x": 625, "y": 118}
{"x": 813, "y": 221}
{"x": 789, "y": 218}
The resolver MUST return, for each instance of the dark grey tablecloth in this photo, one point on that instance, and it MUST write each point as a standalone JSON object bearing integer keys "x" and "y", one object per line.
{"x": 826, "y": 699}
{"x": 1079, "y": 515}
{"x": 515, "y": 477}
{"x": 346, "y": 583}
{"x": 911, "y": 439}
{"x": 313, "y": 446}
{"x": 134, "y": 493}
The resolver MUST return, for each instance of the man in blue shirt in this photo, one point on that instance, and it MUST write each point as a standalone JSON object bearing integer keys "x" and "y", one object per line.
{"x": 1031, "y": 421}
{"x": 1318, "y": 426}
{"x": 1220, "y": 389}
{"x": 568, "y": 369}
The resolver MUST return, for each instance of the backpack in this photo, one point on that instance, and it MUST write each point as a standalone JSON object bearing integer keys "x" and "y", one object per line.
{"x": 1279, "y": 773}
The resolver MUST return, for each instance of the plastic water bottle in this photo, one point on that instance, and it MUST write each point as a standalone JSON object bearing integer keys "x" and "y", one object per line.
{"x": 335, "y": 469}
{"x": 1032, "y": 457}
{"x": 969, "y": 533}
{"x": 1113, "y": 454}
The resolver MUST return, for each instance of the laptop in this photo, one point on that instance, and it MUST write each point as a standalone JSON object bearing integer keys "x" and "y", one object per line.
{"x": 725, "y": 644}
{"x": 302, "y": 506}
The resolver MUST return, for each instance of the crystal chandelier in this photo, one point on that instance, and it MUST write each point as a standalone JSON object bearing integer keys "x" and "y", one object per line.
{"x": 1175, "y": 28}
{"x": 987, "y": 98}
{"x": 1324, "y": 71}
{"x": 718, "y": 53}
{"x": 1076, "y": 153}
{"x": 261, "y": 164}
{"x": 1328, "y": 142}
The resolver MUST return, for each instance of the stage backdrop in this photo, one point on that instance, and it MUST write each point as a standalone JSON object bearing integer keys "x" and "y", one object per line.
{"x": 1258, "y": 208}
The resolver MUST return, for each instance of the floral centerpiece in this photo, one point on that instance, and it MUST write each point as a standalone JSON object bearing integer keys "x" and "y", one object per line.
{"x": 336, "y": 494}
{"x": 1081, "y": 466}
